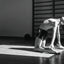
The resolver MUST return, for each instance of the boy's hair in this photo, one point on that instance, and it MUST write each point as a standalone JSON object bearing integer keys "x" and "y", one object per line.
{"x": 62, "y": 18}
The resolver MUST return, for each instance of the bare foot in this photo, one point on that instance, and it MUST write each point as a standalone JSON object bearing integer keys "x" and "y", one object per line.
{"x": 39, "y": 48}
{"x": 51, "y": 47}
{"x": 60, "y": 46}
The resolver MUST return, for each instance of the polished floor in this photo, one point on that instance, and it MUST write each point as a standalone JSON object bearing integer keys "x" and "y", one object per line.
{"x": 20, "y": 46}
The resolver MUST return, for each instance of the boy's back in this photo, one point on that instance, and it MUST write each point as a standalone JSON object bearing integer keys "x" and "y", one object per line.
{"x": 48, "y": 23}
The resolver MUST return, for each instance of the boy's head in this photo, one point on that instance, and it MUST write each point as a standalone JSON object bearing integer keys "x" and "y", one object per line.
{"x": 62, "y": 20}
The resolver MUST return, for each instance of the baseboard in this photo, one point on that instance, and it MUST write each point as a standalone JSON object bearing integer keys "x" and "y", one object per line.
{"x": 10, "y": 37}
{"x": 13, "y": 37}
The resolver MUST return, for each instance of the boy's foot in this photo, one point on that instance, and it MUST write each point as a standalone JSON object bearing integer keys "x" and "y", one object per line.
{"x": 51, "y": 47}
{"x": 60, "y": 46}
{"x": 39, "y": 49}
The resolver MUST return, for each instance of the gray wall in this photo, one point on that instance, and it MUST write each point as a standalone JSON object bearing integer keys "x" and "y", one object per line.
{"x": 15, "y": 17}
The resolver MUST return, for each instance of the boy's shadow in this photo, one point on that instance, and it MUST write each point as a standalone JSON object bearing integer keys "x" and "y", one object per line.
{"x": 33, "y": 50}
{"x": 26, "y": 49}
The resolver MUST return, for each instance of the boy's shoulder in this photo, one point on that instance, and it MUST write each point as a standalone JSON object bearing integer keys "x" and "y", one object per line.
{"x": 52, "y": 19}
{"x": 49, "y": 20}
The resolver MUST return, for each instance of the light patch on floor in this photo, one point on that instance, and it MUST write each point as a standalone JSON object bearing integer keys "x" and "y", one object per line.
{"x": 15, "y": 46}
{"x": 5, "y": 49}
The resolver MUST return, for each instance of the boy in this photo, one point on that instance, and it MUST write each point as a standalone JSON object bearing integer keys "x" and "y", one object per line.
{"x": 47, "y": 24}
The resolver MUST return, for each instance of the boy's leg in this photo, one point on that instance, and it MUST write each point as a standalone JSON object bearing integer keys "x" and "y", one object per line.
{"x": 43, "y": 44}
{"x": 40, "y": 39}
{"x": 38, "y": 42}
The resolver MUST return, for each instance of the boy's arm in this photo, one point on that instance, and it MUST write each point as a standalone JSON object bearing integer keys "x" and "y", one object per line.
{"x": 54, "y": 31}
{"x": 54, "y": 35}
{"x": 58, "y": 34}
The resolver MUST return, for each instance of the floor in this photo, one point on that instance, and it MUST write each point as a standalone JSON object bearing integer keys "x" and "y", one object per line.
{"x": 6, "y": 44}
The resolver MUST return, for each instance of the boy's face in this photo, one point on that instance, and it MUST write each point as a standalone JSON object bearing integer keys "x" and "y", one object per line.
{"x": 62, "y": 21}
{"x": 62, "y": 18}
